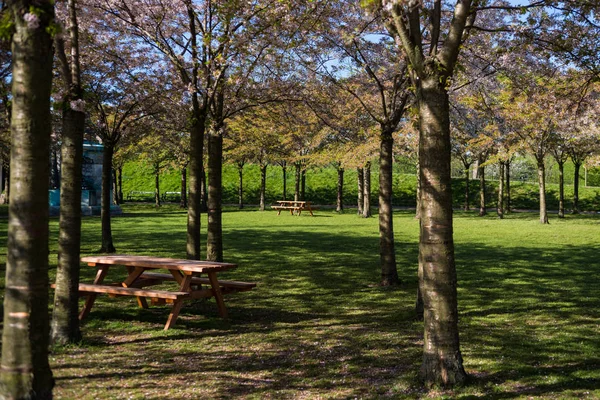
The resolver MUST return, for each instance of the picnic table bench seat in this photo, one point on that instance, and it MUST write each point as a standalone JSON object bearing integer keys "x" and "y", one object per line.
{"x": 113, "y": 289}
{"x": 231, "y": 285}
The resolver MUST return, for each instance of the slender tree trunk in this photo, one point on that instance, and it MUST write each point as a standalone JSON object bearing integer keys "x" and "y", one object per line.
{"x": 303, "y": 185}
{"x": 214, "y": 237}
{"x": 361, "y": 190}
{"x": 183, "y": 199}
{"x": 65, "y": 314}
{"x": 25, "y": 372}
{"x": 542, "y": 184}
{"x": 196, "y": 172}
{"x": 263, "y": 186}
{"x": 387, "y": 251}
{"x": 115, "y": 189}
{"x": 442, "y": 360}
{"x": 418, "y": 199}
{"x": 507, "y": 190}
{"x": 466, "y": 205}
{"x": 107, "y": 157}
{"x": 340, "y": 190}
{"x": 284, "y": 171}
{"x": 367, "y": 190}
{"x": 575, "y": 188}
{"x": 500, "y": 205}
{"x": 7, "y": 186}
{"x": 156, "y": 187}
{"x": 561, "y": 189}
{"x": 482, "y": 205}
{"x": 55, "y": 177}
{"x": 240, "y": 186}
{"x": 297, "y": 182}
{"x": 120, "y": 184}
{"x": 204, "y": 191}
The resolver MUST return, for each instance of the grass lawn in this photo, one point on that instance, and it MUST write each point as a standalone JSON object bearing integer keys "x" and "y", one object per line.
{"x": 318, "y": 326}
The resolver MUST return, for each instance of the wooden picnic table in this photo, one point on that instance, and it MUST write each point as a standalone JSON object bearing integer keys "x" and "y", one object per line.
{"x": 186, "y": 273}
{"x": 293, "y": 206}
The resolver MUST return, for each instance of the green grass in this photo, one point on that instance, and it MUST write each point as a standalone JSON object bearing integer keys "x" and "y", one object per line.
{"x": 318, "y": 326}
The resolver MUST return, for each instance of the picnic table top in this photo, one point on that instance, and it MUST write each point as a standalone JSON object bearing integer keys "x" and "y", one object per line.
{"x": 292, "y": 202}
{"x": 196, "y": 266}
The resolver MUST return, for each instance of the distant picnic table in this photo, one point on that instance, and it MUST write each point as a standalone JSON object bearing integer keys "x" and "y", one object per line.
{"x": 186, "y": 273}
{"x": 293, "y": 206}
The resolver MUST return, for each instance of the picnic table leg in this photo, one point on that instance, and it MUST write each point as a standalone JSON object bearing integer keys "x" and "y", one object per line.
{"x": 177, "y": 304}
{"x": 135, "y": 273}
{"x": 212, "y": 277}
{"x": 91, "y": 298}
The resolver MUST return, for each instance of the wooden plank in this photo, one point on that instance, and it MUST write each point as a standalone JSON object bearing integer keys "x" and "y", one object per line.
{"x": 89, "y": 301}
{"x": 131, "y": 291}
{"x": 203, "y": 281}
{"x": 158, "y": 263}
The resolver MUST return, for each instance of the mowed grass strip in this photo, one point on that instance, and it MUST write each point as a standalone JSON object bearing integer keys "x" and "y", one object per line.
{"x": 318, "y": 326}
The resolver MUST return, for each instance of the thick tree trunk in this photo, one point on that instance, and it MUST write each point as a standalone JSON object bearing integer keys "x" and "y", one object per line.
{"x": 240, "y": 186}
{"x": 284, "y": 172}
{"x": 297, "y": 182}
{"x": 107, "y": 240}
{"x": 65, "y": 314}
{"x": 561, "y": 190}
{"x": 387, "y": 251}
{"x": 360, "y": 190}
{"x": 339, "y": 206}
{"x": 542, "y": 184}
{"x": 507, "y": 206}
{"x": 442, "y": 360}
{"x": 120, "y": 184}
{"x": 367, "y": 190}
{"x": 263, "y": 187}
{"x": 466, "y": 205}
{"x": 214, "y": 236}
{"x": 183, "y": 199}
{"x": 303, "y": 185}
{"x": 195, "y": 172}
{"x": 482, "y": 205}
{"x": 500, "y": 205}
{"x": 576, "y": 188}
{"x": 156, "y": 188}
{"x": 25, "y": 372}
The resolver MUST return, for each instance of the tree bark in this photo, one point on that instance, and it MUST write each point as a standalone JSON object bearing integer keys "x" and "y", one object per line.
{"x": 442, "y": 360}
{"x": 7, "y": 186}
{"x": 214, "y": 237}
{"x": 196, "y": 172}
{"x": 25, "y": 372}
{"x": 507, "y": 206}
{"x": 361, "y": 190}
{"x": 107, "y": 157}
{"x": 387, "y": 251}
{"x": 367, "y": 190}
{"x": 542, "y": 184}
{"x": 297, "y": 182}
{"x": 263, "y": 187}
{"x": 204, "y": 191}
{"x": 576, "y": 188}
{"x": 183, "y": 199}
{"x": 284, "y": 172}
{"x": 500, "y": 205}
{"x": 340, "y": 190}
{"x": 418, "y": 199}
{"x": 482, "y": 205}
{"x": 240, "y": 186}
{"x": 561, "y": 189}
{"x": 156, "y": 187}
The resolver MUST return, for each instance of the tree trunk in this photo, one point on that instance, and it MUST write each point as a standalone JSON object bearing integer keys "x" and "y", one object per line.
{"x": 442, "y": 360}
{"x": 466, "y": 205}
{"x": 387, "y": 251}
{"x": 542, "y": 184}
{"x": 284, "y": 171}
{"x": 361, "y": 190}
{"x": 25, "y": 372}
{"x": 340, "y": 190}
{"x": 500, "y": 205}
{"x": 418, "y": 199}
{"x": 183, "y": 199}
{"x": 65, "y": 314}
{"x": 367, "y": 191}
{"x": 561, "y": 190}
{"x": 576, "y": 188}
{"x": 482, "y": 205}
{"x": 507, "y": 190}
{"x": 115, "y": 189}
{"x": 297, "y": 182}
{"x": 303, "y": 186}
{"x": 214, "y": 236}
{"x": 204, "y": 191}
{"x": 156, "y": 187}
{"x": 196, "y": 171}
{"x": 263, "y": 186}
{"x": 55, "y": 177}
{"x": 7, "y": 186}
{"x": 120, "y": 184}
{"x": 107, "y": 157}
{"x": 240, "y": 186}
